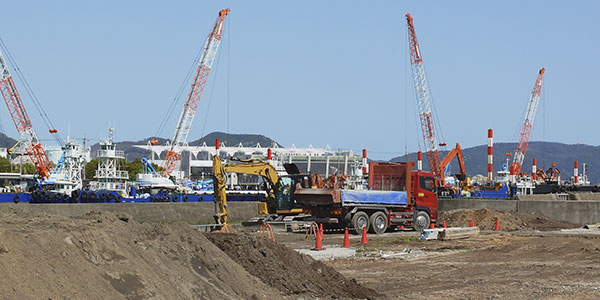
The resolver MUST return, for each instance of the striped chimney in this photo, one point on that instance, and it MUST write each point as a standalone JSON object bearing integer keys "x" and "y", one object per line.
{"x": 576, "y": 172}
{"x": 364, "y": 162}
{"x": 420, "y": 161}
{"x": 490, "y": 155}
{"x": 534, "y": 169}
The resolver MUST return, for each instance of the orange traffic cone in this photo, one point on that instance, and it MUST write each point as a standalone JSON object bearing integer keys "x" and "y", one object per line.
{"x": 318, "y": 244}
{"x": 431, "y": 226}
{"x": 497, "y": 226}
{"x": 321, "y": 230}
{"x": 346, "y": 239}
{"x": 444, "y": 223}
{"x": 471, "y": 223}
{"x": 364, "y": 240}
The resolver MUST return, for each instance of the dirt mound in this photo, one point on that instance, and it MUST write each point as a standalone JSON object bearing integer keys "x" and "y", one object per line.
{"x": 110, "y": 256}
{"x": 508, "y": 220}
{"x": 287, "y": 270}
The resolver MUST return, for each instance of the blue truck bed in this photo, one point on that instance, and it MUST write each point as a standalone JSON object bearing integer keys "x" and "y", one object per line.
{"x": 353, "y": 197}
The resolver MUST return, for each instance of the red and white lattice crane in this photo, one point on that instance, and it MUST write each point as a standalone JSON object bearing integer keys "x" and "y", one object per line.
{"x": 423, "y": 101}
{"x": 193, "y": 99}
{"x": 532, "y": 106}
{"x": 22, "y": 122}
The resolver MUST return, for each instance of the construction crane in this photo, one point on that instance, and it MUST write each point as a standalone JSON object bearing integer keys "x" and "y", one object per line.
{"x": 17, "y": 111}
{"x": 532, "y": 106}
{"x": 423, "y": 101}
{"x": 193, "y": 99}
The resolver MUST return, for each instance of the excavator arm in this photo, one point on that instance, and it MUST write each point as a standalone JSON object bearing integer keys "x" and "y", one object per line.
{"x": 219, "y": 183}
{"x": 220, "y": 170}
{"x": 456, "y": 152}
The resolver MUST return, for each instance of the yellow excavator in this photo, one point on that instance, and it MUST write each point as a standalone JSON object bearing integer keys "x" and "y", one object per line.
{"x": 280, "y": 200}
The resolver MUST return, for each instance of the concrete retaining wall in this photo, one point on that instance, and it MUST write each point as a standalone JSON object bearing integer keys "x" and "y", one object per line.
{"x": 580, "y": 212}
{"x": 450, "y": 204}
{"x": 148, "y": 212}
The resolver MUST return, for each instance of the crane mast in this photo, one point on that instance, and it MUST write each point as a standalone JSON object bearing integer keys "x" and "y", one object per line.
{"x": 21, "y": 119}
{"x": 193, "y": 99}
{"x": 423, "y": 100}
{"x": 532, "y": 106}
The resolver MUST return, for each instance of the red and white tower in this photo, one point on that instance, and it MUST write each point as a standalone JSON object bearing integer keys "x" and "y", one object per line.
{"x": 576, "y": 172}
{"x": 269, "y": 155}
{"x": 364, "y": 162}
{"x": 490, "y": 155}
{"x": 420, "y": 161}
{"x": 534, "y": 170}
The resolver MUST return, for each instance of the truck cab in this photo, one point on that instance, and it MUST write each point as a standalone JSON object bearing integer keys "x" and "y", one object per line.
{"x": 425, "y": 193}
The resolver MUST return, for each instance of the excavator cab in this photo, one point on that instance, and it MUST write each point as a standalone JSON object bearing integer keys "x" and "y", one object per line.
{"x": 285, "y": 200}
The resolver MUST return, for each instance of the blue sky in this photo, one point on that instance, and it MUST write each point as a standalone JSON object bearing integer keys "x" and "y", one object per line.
{"x": 310, "y": 72}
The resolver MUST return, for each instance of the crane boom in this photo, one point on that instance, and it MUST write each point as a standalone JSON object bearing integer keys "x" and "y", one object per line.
{"x": 21, "y": 119}
{"x": 193, "y": 99}
{"x": 532, "y": 106}
{"x": 423, "y": 100}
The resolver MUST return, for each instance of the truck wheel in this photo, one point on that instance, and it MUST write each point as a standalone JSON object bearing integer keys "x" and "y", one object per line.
{"x": 379, "y": 222}
{"x": 360, "y": 220}
{"x": 422, "y": 221}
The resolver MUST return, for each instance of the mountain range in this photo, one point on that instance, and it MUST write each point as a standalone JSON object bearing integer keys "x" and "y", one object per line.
{"x": 546, "y": 153}
{"x": 247, "y": 140}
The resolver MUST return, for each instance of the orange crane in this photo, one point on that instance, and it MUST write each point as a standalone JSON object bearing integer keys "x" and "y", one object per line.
{"x": 532, "y": 105}
{"x": 19, "y": 115}
{"x": 190, "y": 107}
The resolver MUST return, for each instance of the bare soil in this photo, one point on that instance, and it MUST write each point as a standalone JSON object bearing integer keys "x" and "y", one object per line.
{"x": 286, "y": 270}
{"x": 108, "y": 256}
{"x": 495, "y": 266}
{"x": 525, "y": 260}
{"x": 485, "y": 219}
{"x": 102, "y": 255}
{"x": 111, "y": 256}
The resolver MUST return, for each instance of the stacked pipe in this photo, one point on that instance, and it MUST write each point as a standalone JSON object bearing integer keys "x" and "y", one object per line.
{"x": 576, "y": 172}
{"x": 534, "y": 170}
{"x": 420, "y": 161}
{"x": 490, "y": 156}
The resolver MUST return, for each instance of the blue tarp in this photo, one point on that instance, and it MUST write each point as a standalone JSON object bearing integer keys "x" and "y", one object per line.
{"x": 373, "y": 197}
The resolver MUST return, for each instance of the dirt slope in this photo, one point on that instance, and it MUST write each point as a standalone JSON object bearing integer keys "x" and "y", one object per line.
{"x": 508, "y": 220}
{"x": 287, "y": 270}
{"x": 105, "y": 256}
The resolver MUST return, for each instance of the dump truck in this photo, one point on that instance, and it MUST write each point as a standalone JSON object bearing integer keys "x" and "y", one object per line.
{"x": 396, "y": 196}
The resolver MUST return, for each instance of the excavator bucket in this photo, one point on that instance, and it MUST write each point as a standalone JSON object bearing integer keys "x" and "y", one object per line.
{"x": 291, "y": 168}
